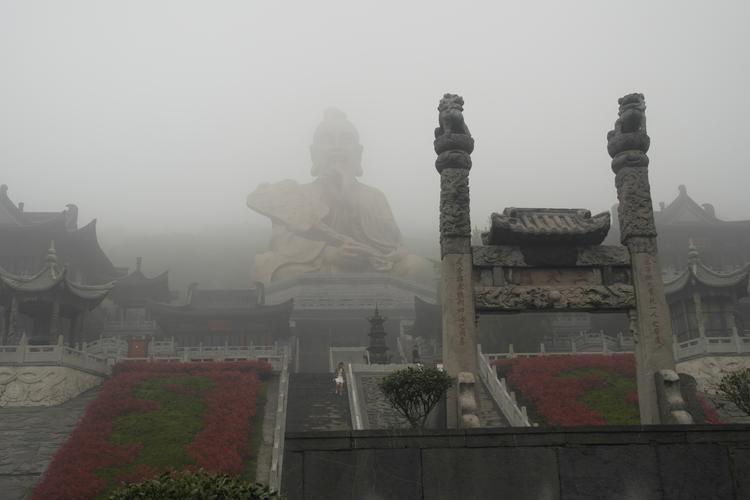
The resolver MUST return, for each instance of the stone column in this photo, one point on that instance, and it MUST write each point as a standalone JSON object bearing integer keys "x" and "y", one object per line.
{"x": 54, "y": 320}
{"x": 453, "y": 145}
{"x": 628, "y": 144}
{"x": 698, "y": 306}
{"x": 12, "y": 317}
{"x": 81, "y": 324}
{"x": 3, "y": 327}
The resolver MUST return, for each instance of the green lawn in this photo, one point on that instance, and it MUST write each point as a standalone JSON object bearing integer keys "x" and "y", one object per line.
{"x": 610, "y": 400}
{"x": 166, "y": 431}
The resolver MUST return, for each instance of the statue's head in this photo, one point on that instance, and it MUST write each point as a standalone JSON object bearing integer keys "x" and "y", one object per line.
{"x": 336, "y": 146}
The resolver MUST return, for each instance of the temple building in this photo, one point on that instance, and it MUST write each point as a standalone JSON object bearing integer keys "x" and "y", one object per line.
{"x": 723, "y": 245}
{"x": 329, "y": 310}
{"x": 707, "y": 317}
{"x": 130, "y": 315}
{"x": 25, "y": 237}
{"x": 47, "y": 304}
{"x": 219, "y": 317}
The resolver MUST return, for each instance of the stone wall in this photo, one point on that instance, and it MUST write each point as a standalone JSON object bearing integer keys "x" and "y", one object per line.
{"x": 42, "y": 385}
{"x": 628, "y": 463}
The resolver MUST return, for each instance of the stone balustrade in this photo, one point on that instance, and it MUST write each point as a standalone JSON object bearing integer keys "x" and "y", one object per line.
{"x": 277, "y": 453}
{"x": 53, "y": 355}
{"x": 706, "y": 346}
{"x": 505, "y": 399}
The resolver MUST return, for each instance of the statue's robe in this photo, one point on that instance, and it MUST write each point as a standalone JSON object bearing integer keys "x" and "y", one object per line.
{"x": 297, "y": 246}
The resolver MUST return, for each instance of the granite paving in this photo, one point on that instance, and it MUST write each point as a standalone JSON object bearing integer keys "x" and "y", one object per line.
{"x": 29, "y": 437}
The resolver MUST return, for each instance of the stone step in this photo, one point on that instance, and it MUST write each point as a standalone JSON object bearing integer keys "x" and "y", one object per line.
{"x": 314, "y": 406}
{"x": 489, "y": 413}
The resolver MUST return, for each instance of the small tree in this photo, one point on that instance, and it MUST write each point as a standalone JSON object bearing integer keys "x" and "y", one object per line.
{"x": 735, "y": 387}
{"x": 196, "y": 485}
{"x": 414, "y": 392}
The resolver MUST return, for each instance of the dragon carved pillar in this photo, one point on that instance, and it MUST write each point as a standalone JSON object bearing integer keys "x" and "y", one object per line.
{"x": 453, "y": 145}
{"x": 628, "y": 144}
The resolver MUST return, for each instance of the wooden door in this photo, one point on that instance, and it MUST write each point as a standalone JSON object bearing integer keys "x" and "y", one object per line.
{"x": 136, "y": 348}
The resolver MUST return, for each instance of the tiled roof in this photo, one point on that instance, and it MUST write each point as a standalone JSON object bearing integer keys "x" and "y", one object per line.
{"x": 51, "y": 277}
{"x": 699, "y": 273}
{"x": 537, "y": 226}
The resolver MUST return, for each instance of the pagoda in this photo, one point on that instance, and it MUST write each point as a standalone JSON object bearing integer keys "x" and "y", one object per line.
{"x": 377, "y": 350}
{"x": 47, "y": 304}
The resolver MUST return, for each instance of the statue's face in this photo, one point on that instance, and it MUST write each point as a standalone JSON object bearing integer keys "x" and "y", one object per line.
{"x": 336, "y": 150}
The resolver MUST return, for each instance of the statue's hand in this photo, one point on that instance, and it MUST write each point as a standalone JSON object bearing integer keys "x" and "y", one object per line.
{"x": 350, "y": 255}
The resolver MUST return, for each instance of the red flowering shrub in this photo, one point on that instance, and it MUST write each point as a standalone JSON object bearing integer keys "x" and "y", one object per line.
{"x": 220, "y": 446}
{"x": 709, "y": 412}
{"x": 554, "y": 387}
{"x": 261, "y": 368}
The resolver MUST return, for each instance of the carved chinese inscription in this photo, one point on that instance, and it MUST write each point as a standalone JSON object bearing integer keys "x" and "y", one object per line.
{"x": 653, "y": 311}
{"x": 460, "y": 304}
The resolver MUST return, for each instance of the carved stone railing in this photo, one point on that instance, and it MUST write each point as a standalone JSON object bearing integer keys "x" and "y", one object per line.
{"x": 130, "y": 326}
{"x": 589, "y": 342}
{"x": 346, "y": 355}
{"x": 352, "y": 391}
{"x": 279, "y": 431}
{"x": 515, "y": 354}
{"x": 498, "y": 389}
{"x": 706, "y": 346}
{"x": 116, "y": 349}
{"x": 53, "y": 355}
{"x": 107, "y": 347}
{"x": 272, "y": 354}
{"x": 401, "y": 350}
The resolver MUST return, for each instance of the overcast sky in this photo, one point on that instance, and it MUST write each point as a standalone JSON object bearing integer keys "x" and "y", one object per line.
{"x": 163, "y": 115}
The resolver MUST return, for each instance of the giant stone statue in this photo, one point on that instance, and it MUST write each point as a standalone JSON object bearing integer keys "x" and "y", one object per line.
{"x": 334, "y": 224}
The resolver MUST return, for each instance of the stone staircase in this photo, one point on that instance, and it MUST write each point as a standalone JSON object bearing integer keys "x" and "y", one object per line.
{"x": 489, "y": 413}
{"x": 314, "y": 406}
{"x": 29, "y": 437}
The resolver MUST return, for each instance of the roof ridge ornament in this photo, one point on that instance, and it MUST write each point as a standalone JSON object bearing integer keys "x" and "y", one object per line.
{"x": 51, "y": 258}
{"x": 693, "y": 253}
{"x": 545, "y": 226}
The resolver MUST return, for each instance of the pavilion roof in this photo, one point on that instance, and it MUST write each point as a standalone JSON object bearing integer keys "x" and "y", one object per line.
{"x": 31, "y": 231}
{"x": 698, "y": 273}
{"x": 137, "y": 285}
{"x": 12, "y": 215}
{"x": 52, "y": 278}
{"x": 685, "y": 211}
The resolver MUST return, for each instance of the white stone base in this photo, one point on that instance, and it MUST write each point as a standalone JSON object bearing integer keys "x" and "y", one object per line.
{"x": 42, "y": 385}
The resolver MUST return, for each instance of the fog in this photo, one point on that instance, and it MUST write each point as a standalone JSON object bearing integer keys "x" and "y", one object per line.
{"x": 160, "y": 117}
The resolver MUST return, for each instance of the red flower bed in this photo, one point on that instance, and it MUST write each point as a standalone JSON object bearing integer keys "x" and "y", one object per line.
{"x": 709, "y": 412}
{"x": 556, "y": 398}
{"x": 218, "y": 447}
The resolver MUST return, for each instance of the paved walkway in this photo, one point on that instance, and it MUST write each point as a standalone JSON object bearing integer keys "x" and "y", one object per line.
{"x": 29, "y": 437}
